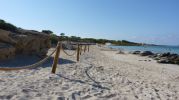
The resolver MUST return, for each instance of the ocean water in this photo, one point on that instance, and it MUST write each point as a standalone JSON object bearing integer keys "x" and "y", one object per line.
{"x": 154, "y": 49}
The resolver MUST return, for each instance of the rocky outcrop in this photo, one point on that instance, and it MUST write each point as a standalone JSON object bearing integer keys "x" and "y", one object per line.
{"x": 6, "y": 51}
{"x": 146, "y": 53}
{"x": 136, "y": 52}
{"x": 165, "y": 58}
{"x": 5, "y": 37}
{"x": 23, "y": 42}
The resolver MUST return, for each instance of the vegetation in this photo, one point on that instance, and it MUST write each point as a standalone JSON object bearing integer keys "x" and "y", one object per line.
{"x": 54, "y": 38}
{"x": 7, "y": 26}
{"x": 47, "y": 31}
{"x": 62, "y": 34}
{"x": 62, "y": 37}
{"x": 113, "y": 42}
{"x": 91, "y": 40}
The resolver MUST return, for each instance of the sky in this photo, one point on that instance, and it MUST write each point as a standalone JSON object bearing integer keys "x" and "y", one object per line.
{"x": 144, "y": 21}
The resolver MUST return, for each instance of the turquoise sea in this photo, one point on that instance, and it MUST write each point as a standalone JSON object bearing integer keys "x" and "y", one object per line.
{"x": 154, "y": 49}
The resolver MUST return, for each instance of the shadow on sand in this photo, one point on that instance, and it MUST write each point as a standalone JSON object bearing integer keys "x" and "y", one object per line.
{"x": 61, "y": 61}
{"x": 25, "y": 60}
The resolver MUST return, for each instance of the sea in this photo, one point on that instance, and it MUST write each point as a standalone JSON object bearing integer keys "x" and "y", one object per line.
{"x": 154, "y": 49}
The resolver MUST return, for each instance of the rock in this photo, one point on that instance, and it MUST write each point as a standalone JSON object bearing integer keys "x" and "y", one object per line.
{"x": 156, "y": 58}
{"x": 136, "y": 52}
{"x": 177, "y": 60}
{"x": 166, "y": 58}
{"x": 6, "y": 51}
{"x": 25, "y": 42}
{"x": 153, "y": 56}
{"x": 165, "y": 61}
{"x": 146, "y": 53}
{"x": 173, "y": 56}
{"x": 165, "y": 54}
{"x": 5, "y": 37}
{"x": 32, "y": 44}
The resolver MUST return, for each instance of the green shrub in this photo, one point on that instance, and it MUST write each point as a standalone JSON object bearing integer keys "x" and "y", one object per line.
{"x": 53, "y": 38}
{"x": 47, "y": 31}
{"x": 7, "y": 26}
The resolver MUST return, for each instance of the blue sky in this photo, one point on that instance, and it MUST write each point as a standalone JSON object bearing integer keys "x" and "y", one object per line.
{"x": 149, "y": 21}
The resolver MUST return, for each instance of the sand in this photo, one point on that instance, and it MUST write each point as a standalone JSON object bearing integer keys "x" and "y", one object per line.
{"x": 100, "y": 75}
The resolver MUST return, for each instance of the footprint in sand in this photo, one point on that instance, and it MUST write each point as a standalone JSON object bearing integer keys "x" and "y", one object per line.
{"x": 61, "y": 98}
{"x": 65, "y": 87}
{"x": 86, "y": 97}
{"x": 75, "y": 96}
{"x": 6, "y": 97}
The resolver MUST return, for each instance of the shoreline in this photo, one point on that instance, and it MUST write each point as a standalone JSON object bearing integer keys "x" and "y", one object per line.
{"x": 145, "y": 48}
{"x": 166, "y": 57}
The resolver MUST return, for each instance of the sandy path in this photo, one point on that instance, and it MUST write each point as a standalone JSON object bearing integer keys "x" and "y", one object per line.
{"x": 100, "y": 75}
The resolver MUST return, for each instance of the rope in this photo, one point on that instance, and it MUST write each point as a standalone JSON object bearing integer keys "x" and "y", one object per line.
{"x": 68, "y": 53}
{"x": 29, "y": 66}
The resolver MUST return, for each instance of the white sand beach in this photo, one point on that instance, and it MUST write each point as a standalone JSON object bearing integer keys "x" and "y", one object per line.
{"x": 99, "y": 75}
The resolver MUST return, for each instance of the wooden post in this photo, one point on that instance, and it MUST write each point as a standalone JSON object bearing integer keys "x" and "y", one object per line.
{"x": 80, "y": 49}
{"x": 78, "y": 53}
{"x": 88, "y": 47}
{"x": 85, "y": 48}
{"x": 55, "y": 61}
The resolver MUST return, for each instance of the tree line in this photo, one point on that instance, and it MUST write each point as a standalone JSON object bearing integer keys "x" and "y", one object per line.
{"x": 54, "y": 39}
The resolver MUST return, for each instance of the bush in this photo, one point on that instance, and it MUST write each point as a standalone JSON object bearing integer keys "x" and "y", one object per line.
{"x": 7, "y": 26}
{"x": 53, "y": 38}
{"x": 47, "y": 31}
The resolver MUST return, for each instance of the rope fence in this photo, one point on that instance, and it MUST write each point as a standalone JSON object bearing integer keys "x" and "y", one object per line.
{"x": 68, "y": 53}
{"x": 80, "y": 48}
{"x": 78, "y": 52}
{"x": 29, "y": 66}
